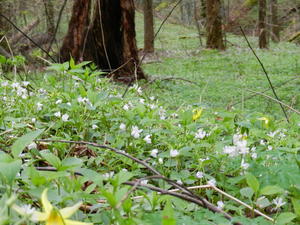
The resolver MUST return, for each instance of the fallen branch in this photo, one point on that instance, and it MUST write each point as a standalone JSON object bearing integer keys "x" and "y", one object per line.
{"x": 266, "y": 73}
{"x": 280, "y": 102}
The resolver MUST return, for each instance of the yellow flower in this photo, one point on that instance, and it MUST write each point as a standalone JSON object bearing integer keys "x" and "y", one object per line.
{"x": 197, "y": 113}
{"x": 51, "y": 215}
{"x": 266, "y": 121}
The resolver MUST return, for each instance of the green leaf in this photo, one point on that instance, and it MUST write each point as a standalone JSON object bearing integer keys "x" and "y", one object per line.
{"x": 285, "y": 218}
{"x": 168, "y": 214}
{"x": 9, "y": 170}
{"x": 252, "y": 182}
{"x": 271, "y": 190}
{"x": 52, "y": 159}
{"x": 19, "y": 145}
{"x": 296, "y": 205}
{"x": 247, "y": 192}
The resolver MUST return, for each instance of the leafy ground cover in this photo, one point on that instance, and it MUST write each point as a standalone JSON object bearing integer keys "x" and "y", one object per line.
{"x": 182, "y": 130}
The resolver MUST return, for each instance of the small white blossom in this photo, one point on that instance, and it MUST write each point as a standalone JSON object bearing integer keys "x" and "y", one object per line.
{"x": 220, "y": 204}
{"x": 94, "y": 126}
{"x": 32, "y": 146}
{"x": 179, "y": 182}
{"x": 135, "y": 132}
{"x": 15, "y": 85}
{"x": 4, "y": 83}
{"x": 270, "y": 147}
{"x": 39, "y": 106}
{"x": 230, "y": 150}
{"x": 174, "y": 153}
{"x": 152, "y": 98}
{"x": 154, "y": 153}
{"x": 33, "y": 120}
{"x": 57, "y": 114}
{"x": 126, "y": 107}
{"x": 144, "y": 182}
{"x": 254, "y": 155}
{"x": 25, "y": 83}
{"x": 212, "y": 182}
{"x": 148, "y": 139}
{"x": 199, "y": 175}
{"x": 160, "y": 160}
{"x": 162, "y": 113}
{"x": 108, "y": 175}
{"x": 142, "y": 101}
{"x": 200, "y": 134}
{"x": 59, "y": 101}
{"x": 244, "y": 165}
{"x": 278, "y": 202}
{"x": 65, "y": 117}
{"x": 122, "y": 126}
{"x": 262, "y": 142}
{"x": 69, "y": 103}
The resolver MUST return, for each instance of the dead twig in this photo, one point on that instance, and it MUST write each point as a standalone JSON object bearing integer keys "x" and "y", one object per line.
{"x": 266, "y": 73}
{"x": 274, "y": 99}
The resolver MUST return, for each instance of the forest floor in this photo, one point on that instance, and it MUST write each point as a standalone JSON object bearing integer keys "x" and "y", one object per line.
{"x": 224, "y": 78}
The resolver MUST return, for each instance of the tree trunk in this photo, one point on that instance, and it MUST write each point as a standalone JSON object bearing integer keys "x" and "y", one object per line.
{"x": 214, "y": 25}
{"x": 5, "y": 27}
{"x": 275, "y": 31}
{"x": 148, "y": 26}
{"x": 49, "y": 11}
{"x": 262, "y": 14}
{"x": 107, "y": 39}
{"x": 197, "y": 18}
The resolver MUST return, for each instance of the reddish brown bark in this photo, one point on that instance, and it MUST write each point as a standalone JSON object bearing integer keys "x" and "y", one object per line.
{"x": 110, "y": 40}
{"x": 73, "y": 43}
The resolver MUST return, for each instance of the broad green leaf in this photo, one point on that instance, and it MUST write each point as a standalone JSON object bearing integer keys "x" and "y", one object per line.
{"x": 271, "y": 190}
{"x": 252, "y": 182}
{"x": 19, "y": 145}
{"x": 247, "y": 192}
{"x": 70, "y": 162}
{"x": 285, "y": 218}
{"x": 52, "y": 159}
{"x": 296, "y": 205}
{"x": 168, "y": 214}
{"x": 9, "y": 170}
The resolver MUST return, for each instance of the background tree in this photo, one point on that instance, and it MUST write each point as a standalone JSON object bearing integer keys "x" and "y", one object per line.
{"x": 275, "y": 29}
{"x": 214, "y": 31}
{"x": 262, "y": 32}
{"x": 148, "y": 27}
{"x": 107, "y": 39}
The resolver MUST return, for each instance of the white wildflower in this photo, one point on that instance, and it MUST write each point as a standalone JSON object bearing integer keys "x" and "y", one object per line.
{"x": 220, "y": 204}
{"x": 278, "y": 202}
{"x": 152, "y": 98}
{"x": 162, "y": 113}
{"x": 160, "y": 160}
{"x": 32, "y": 146}
{"x": 15, "y": 85}
{"x": 108, "y": 175}
{"x": 200, "y": 134}
{"x": 57, "y": 114}
{"x": 254, "y": 155}
{"x": 262, "y": 142}
{"x": 231, "y": 151}
{"x": 65, "y": 117}
{"x": 69, "y": 103}
{"x": 212, "y": 182}
{"x": 4, "y": 83}
{"x": 270, "y": 147}
{"x": 142, "y": 101}
{"x": 199, "y": 174}
{"x": 59, "y": 101}
{"x": 126, "y": 107}
{"x": 135, "y": 132}
{"x": 33, "y": 120}
{"x": 179, "y": 182}
{"x": 144, "y": 182}
{"x": 94, "y": 126}
{"x": 39, "y": 106}
{"x": 148, "y": 139}
{"x": 174, "y": 153}
{"x": 244, "y": 165}
{"x": 25, "y": 83}
{"x": 154, "y": 153}
{"x": 122, "y": 126}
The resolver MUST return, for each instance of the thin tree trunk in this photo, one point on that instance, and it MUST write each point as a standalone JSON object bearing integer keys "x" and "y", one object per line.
{"x": 197, "y": 18}
{"x": 4, "y": 25}
{"x": 262, "y": 14}
{"x": 275, "y": 32}
{"x": 109, "y": 41}
{"x": 49, "y": 11}
{"x": 214, "y": 25}
{"x": 148, "y": 26}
